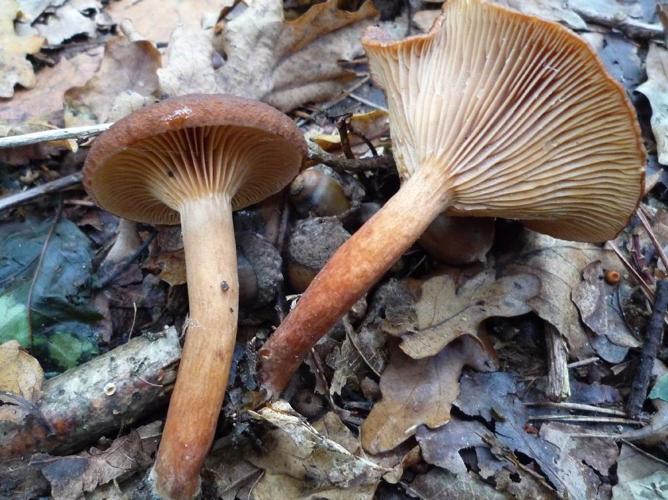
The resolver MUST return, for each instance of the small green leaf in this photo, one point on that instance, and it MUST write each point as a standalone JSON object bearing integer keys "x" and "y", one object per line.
{"x": 660, "y": 389}
{"x": 13, "y": 321}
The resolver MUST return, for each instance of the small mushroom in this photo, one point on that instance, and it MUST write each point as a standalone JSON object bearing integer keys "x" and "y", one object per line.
{"x": 194, "y": 159}
{"x": 458, "y": 240}
{"x": 493, "y": 113}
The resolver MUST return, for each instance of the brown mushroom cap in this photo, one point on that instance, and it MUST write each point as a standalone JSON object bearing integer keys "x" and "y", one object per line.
{"x": 148, "y": 163}
{"x": 520, "y": 117}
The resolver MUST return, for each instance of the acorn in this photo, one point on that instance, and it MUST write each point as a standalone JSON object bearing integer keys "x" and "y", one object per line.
{"x": 312, "y": 242}
{"x": 458, "y": 240}
{"x": 315, "y": 192}
{"x": 259, "y": 266}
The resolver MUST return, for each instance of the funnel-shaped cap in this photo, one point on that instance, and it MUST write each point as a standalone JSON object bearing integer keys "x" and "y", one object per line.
{"x": 152, "y": 161}
{"x": 520, "y": 117}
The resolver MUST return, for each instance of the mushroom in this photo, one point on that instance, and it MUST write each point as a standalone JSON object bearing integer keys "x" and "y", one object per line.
{"x": 195, "y": 159}
{"x": 493, "y": 114}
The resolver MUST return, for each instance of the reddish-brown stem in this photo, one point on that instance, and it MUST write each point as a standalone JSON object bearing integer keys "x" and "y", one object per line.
{"x": 213, "y": 291}
{"x": 353, "y": 269}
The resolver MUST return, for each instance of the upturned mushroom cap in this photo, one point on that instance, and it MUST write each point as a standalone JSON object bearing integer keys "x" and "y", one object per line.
{"x": 520, "y": 117}
{"x": 148, "y": 163}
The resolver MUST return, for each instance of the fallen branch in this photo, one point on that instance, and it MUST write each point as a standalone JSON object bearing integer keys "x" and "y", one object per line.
{"x": 94, "y": 399}
{"x": 650, "y": 348}
{"x": 13, "y": 200}
{"x": 59, "y": 134}
{"x": 558, "y": 383}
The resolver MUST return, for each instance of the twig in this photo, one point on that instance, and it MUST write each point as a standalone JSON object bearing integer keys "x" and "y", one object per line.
{"x": 368, "y": 102}
{"x": 38, "y": 268}
{"x": 587, "y": 419}
{"x": 558, "y": 384}
{"x": 648, "y": 228}
{"x": 577, "y": 407}
{"x": 16, "y": 199}
{"x": 650, "y": 348}
{"x": 643, "y": 452}
{"x": 16, "y": 141}
{"x": 376, "y": 163}
{"x": 583, "y": 362}
{"x": 342, "y": 127}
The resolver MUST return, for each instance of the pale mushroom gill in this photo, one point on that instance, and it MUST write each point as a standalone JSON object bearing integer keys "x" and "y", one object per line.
{"x": 508, "y": 109}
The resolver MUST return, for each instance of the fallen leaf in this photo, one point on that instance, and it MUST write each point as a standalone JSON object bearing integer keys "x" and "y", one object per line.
{"x": 552, "y": 10}
{"x": 420, "y": 392}
{"x": 282, "y": 52}
{"x": 572, "y": 461}
{"x": 441, "y": 446}
{"x": 639, "y": 477}
{"x": 494, "y": 397}
{"x": 14, "y": 67}
{"x": 660, "y": 389}
{"x": 72, "y": 476}
{"x": 189, "y": 66}
{"x": 126, "y": 66}
{"x": 558, "y": 264}
{"x": 439, "y": 483}
{"x": 620, "y": 56}
{"x": 369, "y": 125}
{"x": 32, "y": 9}
{"x": 73, "y": 18}
{"x": 300, "y": 461}
{"x": 599, "y": 307}
{"x": 656, "y": 91}
{"x": 44, "y": 102}
{"x": 156, "y": 20}
{"x": 20, "y": 373}
{"x": 447, "y": 309}
{"x": 424, "y": 19}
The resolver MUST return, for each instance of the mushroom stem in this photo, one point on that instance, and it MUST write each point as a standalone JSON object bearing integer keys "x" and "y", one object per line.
{"x": 354, "y": 268}
{"x": 213, "y": 291}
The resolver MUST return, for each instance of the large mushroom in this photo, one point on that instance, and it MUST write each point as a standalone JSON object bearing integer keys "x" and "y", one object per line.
{"x": 493, "y": 114}
{"x": 195, "y": 159}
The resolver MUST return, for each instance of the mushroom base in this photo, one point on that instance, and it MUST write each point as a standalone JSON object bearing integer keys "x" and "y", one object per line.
{"x": 213, "y": 290}
{"x": 355, "y": 267}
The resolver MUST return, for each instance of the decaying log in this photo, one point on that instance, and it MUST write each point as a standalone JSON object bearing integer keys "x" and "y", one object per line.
{"x": 95, "y": 399}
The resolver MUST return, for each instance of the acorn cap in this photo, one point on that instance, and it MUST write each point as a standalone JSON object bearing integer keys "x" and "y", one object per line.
{"x": 148, "y": 163}
{"x": 520, "y": 117}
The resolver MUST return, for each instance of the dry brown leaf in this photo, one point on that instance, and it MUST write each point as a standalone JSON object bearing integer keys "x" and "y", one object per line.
{"x": 14, "y": 67}
{"x": 446, "y": 309}
{"x": 44, "y": 102}
{"x": 656, "y": 90}
{"x": 420, "y": 392}
{"x": 439, "y": 483}
{"x": 599, "y": 307}
{"x": 189, "y": 69}
{"x": 288, "y": 63}
{"x": 72, "y": 476}
{"x": 20, "y": 373}
{"x": 424, "y": 19}
{"x": 370, "y": 125}
{"x": 126, "y": 66}
{"x": 155, "y": 20}
{"x": 559, "y": 264}
{"x": 299, "y": 461}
